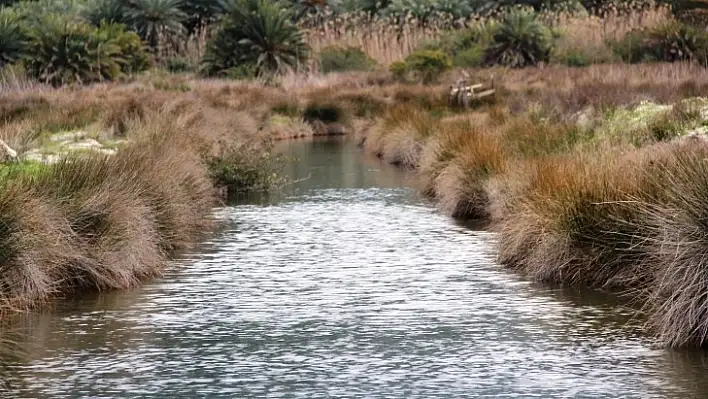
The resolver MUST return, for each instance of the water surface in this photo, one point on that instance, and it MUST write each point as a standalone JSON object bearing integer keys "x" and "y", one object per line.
{"x": 345, "y": 285}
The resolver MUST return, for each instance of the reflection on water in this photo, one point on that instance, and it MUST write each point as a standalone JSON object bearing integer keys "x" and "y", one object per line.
{"x": 346, "y": 284}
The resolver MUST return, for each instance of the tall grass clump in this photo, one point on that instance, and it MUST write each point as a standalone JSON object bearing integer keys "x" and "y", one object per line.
{"x": 574, "y": 221}
{"x": 399, "y": 135}
{"x": 676, "y": 300}
{"x": 456, "y": 163}
{"x": 95, "y": 222}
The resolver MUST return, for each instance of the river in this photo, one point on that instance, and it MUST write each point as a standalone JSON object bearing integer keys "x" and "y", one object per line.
{"x": 346, "y": 284}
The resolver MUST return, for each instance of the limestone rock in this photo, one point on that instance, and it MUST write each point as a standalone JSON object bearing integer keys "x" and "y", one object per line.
{"x": 68, "y": 137}
{"x": 7, "y": 154}
{"x": 86, "y": 144}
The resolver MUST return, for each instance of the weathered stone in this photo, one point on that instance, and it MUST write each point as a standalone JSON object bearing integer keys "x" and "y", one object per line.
{"x": 68, "y": 136}
{"x": 86, "y": 144}
{"x": 7, "y": 154}
{"x": 107, "y": 151}
{"x": 42, "y": 158}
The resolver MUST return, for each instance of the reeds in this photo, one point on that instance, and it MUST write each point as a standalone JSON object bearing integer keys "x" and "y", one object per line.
{"x": 584, "y": 187}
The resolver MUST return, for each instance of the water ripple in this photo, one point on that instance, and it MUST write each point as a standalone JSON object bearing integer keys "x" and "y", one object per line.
{"x": 348, "y": 293}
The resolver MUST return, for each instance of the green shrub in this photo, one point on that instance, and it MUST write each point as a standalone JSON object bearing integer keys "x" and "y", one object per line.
{"x": 399, "y": 69}
{"x": 65, "y": 51}
{"x": 245, "y": 71}
{"x": 671, "y": 42}
{"x": 245, "y": 167}
{"x": 255, "y": 32}
{"x": 467, "y": 46}
{"x": 522, "y": 40}
{"x": 178, "y": 64}
{"x": 469, "y": 58}
{"x": 338, "y": 59}
{"x": 132, "y": 56}
{"x": 575, "y": 59}
{"x": 428, "y": 65}
{"x": 12, "y": 39}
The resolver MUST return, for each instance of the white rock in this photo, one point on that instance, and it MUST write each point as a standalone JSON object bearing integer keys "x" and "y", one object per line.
{"x": 7, "y": 154}
{"x": 39, "y": 157}
{"x": 83, "y": 145}
{"x": 68, "y": 136}
{"x": 108, "y": 151}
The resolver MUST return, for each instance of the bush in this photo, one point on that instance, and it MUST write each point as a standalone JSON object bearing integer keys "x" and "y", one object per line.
{"x": 428, "y": 65}
{"x": 399, "y": 69}
{"x": 132, "y": 55}
{"x": 245, "y": 167}
{"x": 575, "y": 59}
{"x": 338, "y": 59}
{"x": 671, "y": 42}
{"x": 255, "y": 32}
{"x": 178, "y": 64}
{"x": 64, "y": 51}
{"x": 469, "y": 58}
{"x": 466, "y": 47}
{"x": 522, "y": 40}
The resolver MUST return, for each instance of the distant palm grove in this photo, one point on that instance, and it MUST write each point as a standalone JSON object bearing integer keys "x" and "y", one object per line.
{"x": 82, "y": 41}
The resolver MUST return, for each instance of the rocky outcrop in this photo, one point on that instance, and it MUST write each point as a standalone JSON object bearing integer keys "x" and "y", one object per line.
{"x": 61, "y": 144}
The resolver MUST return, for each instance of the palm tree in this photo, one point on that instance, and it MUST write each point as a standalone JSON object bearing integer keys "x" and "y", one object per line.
{"x": 152, "y": 18}
{"x": 260, "y": 33}
{"x": 200, "y": 13}
{"x": 12, "y": 40}
{"x": 108, "y": 11}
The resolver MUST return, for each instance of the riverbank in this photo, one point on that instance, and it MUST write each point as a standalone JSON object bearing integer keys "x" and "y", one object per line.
{"x": 591, "y": 177}
{"x": 106, "y": 181}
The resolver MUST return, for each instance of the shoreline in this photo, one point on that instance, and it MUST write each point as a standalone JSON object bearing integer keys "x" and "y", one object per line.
{"x": 593, "y": 179}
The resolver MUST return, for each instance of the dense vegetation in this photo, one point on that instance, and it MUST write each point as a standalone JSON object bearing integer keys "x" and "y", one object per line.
{"x": 83, "y": 41}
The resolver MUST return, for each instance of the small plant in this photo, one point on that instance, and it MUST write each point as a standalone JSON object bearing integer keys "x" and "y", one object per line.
{"x": 575, "y": 59}
{"x": 522, "y": 40}
{"x": 245, "y": 167}
{"x": 469, "y": 58}
{"x": 428, "y": 65}
{"x": 399, "y": 70}
{"x": 178, "y": 64}
{"x": 338, "y": 59}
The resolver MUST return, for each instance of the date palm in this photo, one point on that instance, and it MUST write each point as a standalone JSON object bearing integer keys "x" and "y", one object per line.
{"x": 260, "y": 33}
{"x": 151, "y": 18}
{"x": 108, "y": 11}
{"x": 12, "y": 40}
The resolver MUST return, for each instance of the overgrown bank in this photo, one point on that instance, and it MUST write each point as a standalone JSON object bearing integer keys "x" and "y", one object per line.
{"x": 592, "y": 177}
{"x": 108, "y": 180}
